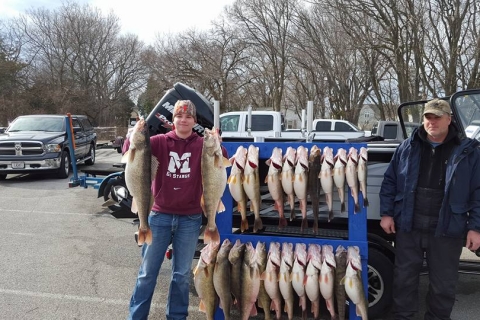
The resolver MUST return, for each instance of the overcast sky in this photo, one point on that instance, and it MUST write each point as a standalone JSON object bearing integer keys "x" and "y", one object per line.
{"x": 144, "y": 18}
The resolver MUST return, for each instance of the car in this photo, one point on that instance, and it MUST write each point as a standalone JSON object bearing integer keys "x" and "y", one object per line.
{"x": 39, "y": 144}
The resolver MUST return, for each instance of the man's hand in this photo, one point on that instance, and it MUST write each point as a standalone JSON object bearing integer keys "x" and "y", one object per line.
{"x": 388, "y": 225}
{"x": 473, "y": 240}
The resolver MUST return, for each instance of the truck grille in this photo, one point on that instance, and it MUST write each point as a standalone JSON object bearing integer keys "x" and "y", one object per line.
{"x": 21, "y": 148}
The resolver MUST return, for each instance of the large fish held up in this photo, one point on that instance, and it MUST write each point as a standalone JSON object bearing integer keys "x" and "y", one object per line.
{"x": 222, "y": 277}
{"x": 300, "y": 182}
{"x": 274, "y": 183}
{"x": 362, "y": 173}
{"x": 352, "y": 176}
{"x": 314, "y": 166}
{"x": 214, "y": 181}
{"x": 353, "y": 282}
{"x": 270, "y": 278}
{"x": 140, "y": 171}
{"x": 326, "y": 179}
{"x": 251, "y": 185}
{"x": 203, "y": 279}
{"x": 339, "y": 175}
{"x": 288, "y": 168}
{"x": 235, "y": 184}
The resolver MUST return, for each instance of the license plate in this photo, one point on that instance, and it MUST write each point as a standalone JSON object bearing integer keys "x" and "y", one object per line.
{"x": 18, "y": 165}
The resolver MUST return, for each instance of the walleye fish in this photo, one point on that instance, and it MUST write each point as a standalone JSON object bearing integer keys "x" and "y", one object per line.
{"x": 352, "y": 176}
{"x": 327, "y": 278}
{"x": 287, "y": 178}
{"x": 251, "y": 185}
{"x": 271, "y": 277}
{"x": 339, "y": 175}
{"x": 140, "y": 171}
{"x": 236, "y": 257}
{"x": 203, "y": 279}
{"x": 312, "y": 286}
{"x": 341, "y": 267}
{"x": 362, "y": 173}
{"x": 264, "y": 301}
{"x": 300, "y": 182}
{"x": 353, "y": 282}
{"x": 214, "y": 180}
{"x": 235, "y": 184}
{"x": 298, "y": 275}
{"x": 314, "y": 166}
{"x": 250, "y": 280}
{"x": 274, "y": 183}
{"x": 326, "y": 179}
{"x": 285, "y": 279}
{"x": 222, "y": 277}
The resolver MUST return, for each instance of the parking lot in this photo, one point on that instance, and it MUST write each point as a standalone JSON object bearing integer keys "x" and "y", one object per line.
{"x": 63, "y": 256}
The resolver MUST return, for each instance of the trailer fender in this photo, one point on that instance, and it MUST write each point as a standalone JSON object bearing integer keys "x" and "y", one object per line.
{"x": 105, "y": 181}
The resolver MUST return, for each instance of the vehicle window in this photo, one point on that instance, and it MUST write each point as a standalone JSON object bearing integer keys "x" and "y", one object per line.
{"x": 76, "y": 123}
{"x": 86, "y": 124}
{"x": 53, "y": 124}
{"x": 323, "y": 126}
{"x": 229, "y": 123}
{"x": 343, "y": 127}
{"x": 390, "y": 131}
{"x": 374, "y": 130}
{"x": 262, "y": 122}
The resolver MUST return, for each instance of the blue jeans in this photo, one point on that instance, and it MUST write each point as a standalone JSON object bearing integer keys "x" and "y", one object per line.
{"x": 182, "y": 232}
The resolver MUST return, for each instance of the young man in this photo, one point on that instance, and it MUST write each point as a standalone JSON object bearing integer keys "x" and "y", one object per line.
{"x": 176, "y": 215}
{"x": 430, "y": 198}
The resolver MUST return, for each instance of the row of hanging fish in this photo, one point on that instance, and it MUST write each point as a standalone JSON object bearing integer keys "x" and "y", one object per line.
{"x": 247, "y": 277}
{"x": 298, "y": 175}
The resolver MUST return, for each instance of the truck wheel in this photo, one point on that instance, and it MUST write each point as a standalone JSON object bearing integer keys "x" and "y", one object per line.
{"x": 91, "y": 154}
{"x": 3, "y": 176}
{"x": 380, "y": 283}
{"x": 64, "y": 169}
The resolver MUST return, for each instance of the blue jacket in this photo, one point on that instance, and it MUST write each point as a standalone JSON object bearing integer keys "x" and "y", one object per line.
{"x": 460, "y": 210}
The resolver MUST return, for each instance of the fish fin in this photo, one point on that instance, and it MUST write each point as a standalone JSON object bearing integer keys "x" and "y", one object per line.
{"x": 131, "y": 155}
{"x": 220, "y": 207}
{"x": 152, "y": 201}
{"x": 144, "y": 236}
{"x": 257, "y": 224}
{"x": 231, "y": 179}
{"x": 330, "y": 216}
{"x": 202, "y": 204}
{"x": 244, "y": 225}
{"x": 357, "y": 208}
{"x": 357, "y": 311}
{"x": 266, "y": 179}
{"x": 342, "y": 207}
{"x": 125, "y": 157}
{"x": 253, "y": 311}
{"x": 202, "y": 306}
{"x": 226, "y": 162}
{"x": 365, "y": 202}
{"x": 134, "y": 207}
{"x": 211, "y": 236}
{"x": 268, "y": 162}
{"x": 154, "y": 164}
{"x": 342, "y": 282}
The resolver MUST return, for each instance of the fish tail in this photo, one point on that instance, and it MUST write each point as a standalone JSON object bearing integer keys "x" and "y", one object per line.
{"x": 211, "y": 236}
{"x": 292, "y": 214}
{"x": 342, "y": 207}
{"x": 357, "y": 208}
{"x": 257, "y": 224}
{"x": 330, "y": 215}
{"x": 315, "y": 226}
{"x": 244, "y": 225}
{"x": 282, "y": 222}
{"x": 304, "y": 225}
{"x": 365, "y": 202}
{"x": 144, "y": 236}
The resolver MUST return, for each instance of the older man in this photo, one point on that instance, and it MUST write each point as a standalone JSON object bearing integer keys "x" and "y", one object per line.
{"x": 430, "y": 198}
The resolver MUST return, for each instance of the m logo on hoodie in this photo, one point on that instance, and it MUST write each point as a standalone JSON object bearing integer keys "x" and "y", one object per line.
{"x": 179, "y": 167}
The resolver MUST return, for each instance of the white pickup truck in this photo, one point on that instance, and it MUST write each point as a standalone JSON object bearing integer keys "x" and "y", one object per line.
{"x": 270, "y": 124}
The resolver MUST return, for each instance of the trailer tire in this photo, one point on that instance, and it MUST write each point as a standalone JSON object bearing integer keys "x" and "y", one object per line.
{"x": 380, "y": 283}
{"x": 109, "y": 194}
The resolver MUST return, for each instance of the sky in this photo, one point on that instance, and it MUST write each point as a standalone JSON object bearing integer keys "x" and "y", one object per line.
{"x": 145, "y": 18}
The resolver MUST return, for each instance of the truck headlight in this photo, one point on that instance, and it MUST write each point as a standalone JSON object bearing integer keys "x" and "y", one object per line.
{"x": 53, "y": 148}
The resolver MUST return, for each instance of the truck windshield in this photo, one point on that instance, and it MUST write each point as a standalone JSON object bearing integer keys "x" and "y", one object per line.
{"x": 49, "y": 124}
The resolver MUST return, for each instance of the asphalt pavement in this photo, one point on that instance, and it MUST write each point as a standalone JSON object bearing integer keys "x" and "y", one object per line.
{"x": 63, "y": 256}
